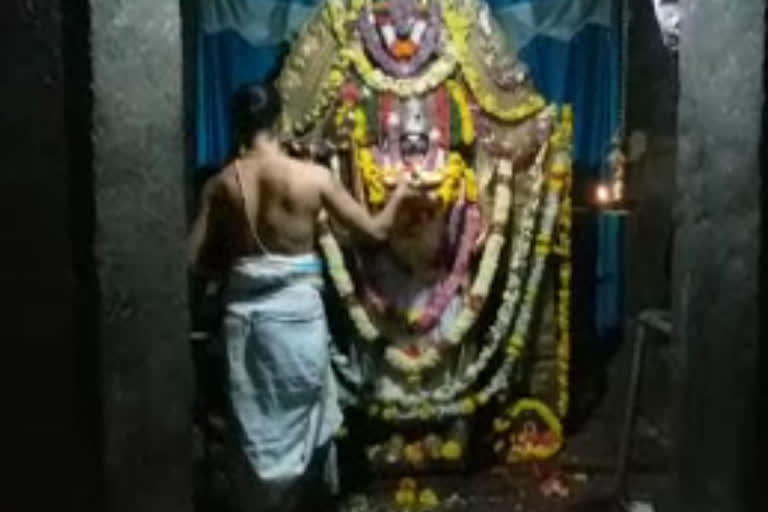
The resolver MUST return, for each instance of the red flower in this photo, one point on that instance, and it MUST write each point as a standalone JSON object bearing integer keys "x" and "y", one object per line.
{"x": 350, "y": 93}
{"x": 412, "y": 351}
{"x": 547, "y": 438}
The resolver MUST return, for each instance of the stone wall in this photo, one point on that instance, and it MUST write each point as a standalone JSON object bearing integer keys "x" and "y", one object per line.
{"x": 652, "y": 97}
{"x": 48, "y": 341}
{"x": 716, "y": 258}
{"x": 139, "y": 166}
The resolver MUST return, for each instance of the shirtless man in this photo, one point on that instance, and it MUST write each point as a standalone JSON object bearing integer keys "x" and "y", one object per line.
{"x": 267, "y": 201}
{"x": 256, "y": 229}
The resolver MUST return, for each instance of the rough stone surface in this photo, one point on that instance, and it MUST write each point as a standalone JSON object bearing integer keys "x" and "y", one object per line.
{"x": 139, "y": 176}
{"x": 716, "y": 271}
{"x": 53, "y": 412}
{"x": 652, "y": 97}
{"x": 33, "y": 174}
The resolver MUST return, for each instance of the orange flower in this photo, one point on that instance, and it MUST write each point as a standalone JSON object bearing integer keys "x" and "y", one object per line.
{"x": 403, "y": 49}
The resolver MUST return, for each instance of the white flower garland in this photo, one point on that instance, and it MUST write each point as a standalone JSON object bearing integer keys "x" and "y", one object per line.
{"x": 490, "y": 258}
{"x": 518, "y": 255}
{"x": 411, "y": 365}
{"x": 475, "y": 299}
{"x": 379, "y": 81}
{"x": 343, "y": 282}
{"x": 500, "y": 380}
{"x": 479, "y": 289}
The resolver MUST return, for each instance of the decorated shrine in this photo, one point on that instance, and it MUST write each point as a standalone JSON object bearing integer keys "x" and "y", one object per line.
{"x": 464, "y": 313}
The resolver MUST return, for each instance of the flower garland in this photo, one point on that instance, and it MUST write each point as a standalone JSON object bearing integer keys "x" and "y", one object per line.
{"x": 339, "y": 16}
{"x": 446, "y": 290}
{"x": 343, "y": 282}
{"x": 412, "y": 360}
{"x": 559, "y": 175}
{"x": 438, "y": 72}
{"x": 564, "y": 251}
{"x": 559, "y": 169}
{"x": 456, "y": 171}
{"x": 563, "y": 306}
{"x": 429, "y": 43}
{"x": 450, "y": 176}
{"x": 373, "y": 178}
{"x": 328, "y": 93}
{"x": 459, "y": 23}
{"x": 459, "y": 95}
{"x": 497, "y": 332}
{"x": 501, "y": 379}
{"x": 478, "y": 292}
{"x": 530, "y": 443}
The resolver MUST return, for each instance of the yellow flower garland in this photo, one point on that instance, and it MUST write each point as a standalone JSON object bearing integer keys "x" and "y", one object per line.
{"x": 563, "y": 316}
{"x": 459, "y": 95}
{"x": 550, "y": 420}
{"x": 360, "y": 132}
{"x": 379, "y": 81}
{"x": 338, "y": 15}
{"x": 459, "y": 23}
{"x": 372, "y": 177}
{"x": 564, "y": 251}
{"x": 328, "y": 93}
{"x": 454, "y": 173}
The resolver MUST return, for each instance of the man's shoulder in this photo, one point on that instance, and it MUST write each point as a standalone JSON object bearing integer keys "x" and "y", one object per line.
{"x": 222, "y": 183}
{"x": 310, "y": 171}
{"x": 307, "y": 166}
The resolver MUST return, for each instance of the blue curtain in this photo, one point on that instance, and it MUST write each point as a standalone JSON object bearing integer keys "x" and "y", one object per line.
{"x": 572, "y": 48}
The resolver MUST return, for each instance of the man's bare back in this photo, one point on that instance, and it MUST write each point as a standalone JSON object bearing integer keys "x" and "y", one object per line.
{"x": 282, "y": 198}
{"x": 278, "y": 199}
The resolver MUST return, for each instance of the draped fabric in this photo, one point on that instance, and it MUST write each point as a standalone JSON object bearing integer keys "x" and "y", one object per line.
{"x": 572, "y": 48}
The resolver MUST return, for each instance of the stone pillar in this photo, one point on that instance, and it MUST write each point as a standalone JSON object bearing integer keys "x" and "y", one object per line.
{"x": 716, "y": 267}
{"x": 139, "y": 186}
{"x": 48, "y": 453}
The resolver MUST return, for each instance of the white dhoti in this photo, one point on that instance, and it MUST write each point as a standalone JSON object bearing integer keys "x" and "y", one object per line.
{"x": 281, "y": 387}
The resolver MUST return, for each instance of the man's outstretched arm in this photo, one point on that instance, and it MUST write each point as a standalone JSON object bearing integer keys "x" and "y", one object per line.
{"x": 352, "y": 214}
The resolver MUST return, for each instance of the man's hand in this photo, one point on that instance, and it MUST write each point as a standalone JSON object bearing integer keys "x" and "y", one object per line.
{"x": 406, "y": 187}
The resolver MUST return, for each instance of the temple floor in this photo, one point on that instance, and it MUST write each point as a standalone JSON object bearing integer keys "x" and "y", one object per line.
{"x": 586, "y": 467}
{"x": 497, "y": 491}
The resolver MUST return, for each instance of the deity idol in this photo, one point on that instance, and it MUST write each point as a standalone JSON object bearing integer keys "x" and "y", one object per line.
{"x": 468, "y": 301}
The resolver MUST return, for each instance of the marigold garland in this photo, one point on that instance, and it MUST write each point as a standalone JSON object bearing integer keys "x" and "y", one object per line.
{"x": 563, "y": 305}
{"x": 459, "y": 95}
{"x": 452, "y": 175}
{"x": 328, "y": 93}
{"x": 564, "y": 251}
{"x": 501, "y": 379}
{"x": 523, "y": 451}
{"x": 559, "y": 170}
{"x": 372, "y": 177}
{"x": 375, "y": 78}
{"x": 497, "y": 332}
{"x": 478, "y": 291}
{"x": 339, "y": 16}
{"x": 459, "y": 23}
{"x": 558, "y": 185}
